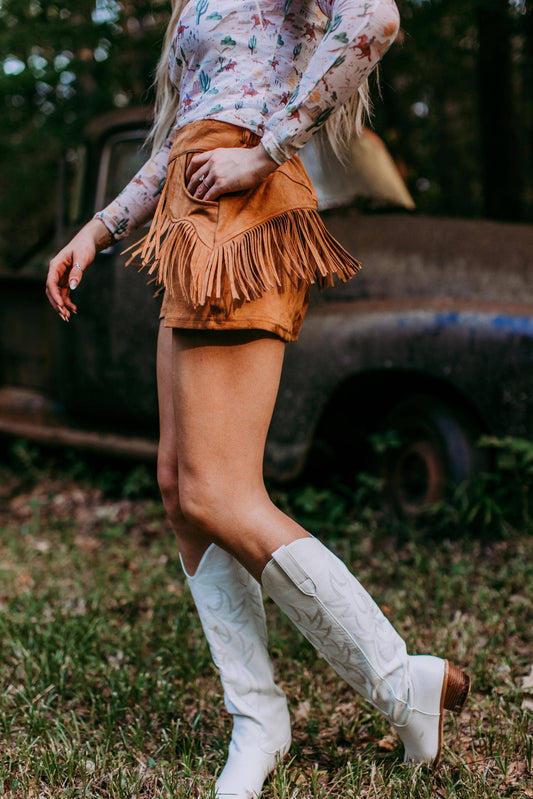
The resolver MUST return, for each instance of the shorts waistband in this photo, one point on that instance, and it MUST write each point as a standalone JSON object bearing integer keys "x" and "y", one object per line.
{"x": 207, "y": 134}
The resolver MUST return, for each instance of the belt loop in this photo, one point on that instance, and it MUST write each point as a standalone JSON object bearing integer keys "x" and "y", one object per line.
{"x": 249, "y": 138}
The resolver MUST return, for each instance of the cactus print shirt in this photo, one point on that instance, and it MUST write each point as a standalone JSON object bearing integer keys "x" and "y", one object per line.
{"x": 280, "y": 73}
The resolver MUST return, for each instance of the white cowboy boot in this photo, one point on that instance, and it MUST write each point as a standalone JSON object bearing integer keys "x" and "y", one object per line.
{"x": 342, "y": 621}
{"x": 230, "y": 606}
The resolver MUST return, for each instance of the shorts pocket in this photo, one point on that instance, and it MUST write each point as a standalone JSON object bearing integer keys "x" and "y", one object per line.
{"x": 186, "y": 160}
{"x": 182, "y": 206}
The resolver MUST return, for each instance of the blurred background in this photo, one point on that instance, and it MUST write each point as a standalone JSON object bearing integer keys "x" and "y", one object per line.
{"x": 434, "y": 340}
{"x": 456, "y": 110}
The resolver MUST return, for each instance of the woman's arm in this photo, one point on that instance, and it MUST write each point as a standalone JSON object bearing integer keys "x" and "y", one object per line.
{"x": 137, "y": 201}
{"x": 134, "y": 205}
{"x": 359, "y": 33}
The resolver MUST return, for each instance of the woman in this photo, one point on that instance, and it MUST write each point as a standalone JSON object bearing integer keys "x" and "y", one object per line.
{"x": 236, "y": 241}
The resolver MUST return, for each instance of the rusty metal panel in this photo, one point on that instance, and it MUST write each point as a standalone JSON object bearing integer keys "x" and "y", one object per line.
{"x": 483, "y": 355}
{"x": 26, "y": 334}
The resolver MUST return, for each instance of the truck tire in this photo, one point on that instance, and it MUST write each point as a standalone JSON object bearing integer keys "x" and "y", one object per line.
{"x": 435, "y": 451}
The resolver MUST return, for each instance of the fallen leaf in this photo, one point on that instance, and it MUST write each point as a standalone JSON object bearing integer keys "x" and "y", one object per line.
{"x": 303, "y": 710}
{"x": 24, "y": 581}
{"x": 88, "y": 543}
{"x": 42, "y": 546}
{"x": 527, "y": 682}
{"x": 388, "y": 743}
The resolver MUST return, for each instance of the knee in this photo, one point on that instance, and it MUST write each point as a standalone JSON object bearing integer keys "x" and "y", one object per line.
{"x": 167, "y": 478}
{"x": 202, "y": 503}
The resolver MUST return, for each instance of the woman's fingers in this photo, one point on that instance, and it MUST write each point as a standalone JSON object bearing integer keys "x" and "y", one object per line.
{"x": 55, "y": 281}
{"x": 75, "y": 275}
{"x": 64, "y": 275}
{"x": 196, "y": 161}
{"x": 197, "y": 173}
{"x": 225, "y": 170}
{"x": 66, "y": 270}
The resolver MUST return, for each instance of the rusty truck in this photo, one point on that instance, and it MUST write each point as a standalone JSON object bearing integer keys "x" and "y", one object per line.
{"x": 433, "y": 339}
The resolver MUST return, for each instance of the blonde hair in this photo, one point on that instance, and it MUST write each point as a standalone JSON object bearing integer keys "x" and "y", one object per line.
{"x": 167, "y": 98}
{"x": 339, "y": 128}
{"x": 347, "y": 120}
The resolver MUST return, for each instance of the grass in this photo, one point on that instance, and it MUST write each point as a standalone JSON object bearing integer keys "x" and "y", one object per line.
{"x": 107, "y": 688}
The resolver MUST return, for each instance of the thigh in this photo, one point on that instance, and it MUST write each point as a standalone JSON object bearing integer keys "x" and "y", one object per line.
{"x": 225, "y": 386}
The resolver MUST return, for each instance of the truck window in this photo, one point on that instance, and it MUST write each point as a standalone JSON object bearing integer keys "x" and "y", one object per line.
{"x": 122, "y": 157}
{"x": 75, "y": 165}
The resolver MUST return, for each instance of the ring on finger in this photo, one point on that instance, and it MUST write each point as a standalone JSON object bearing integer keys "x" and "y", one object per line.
{"x": 78, "y": 266}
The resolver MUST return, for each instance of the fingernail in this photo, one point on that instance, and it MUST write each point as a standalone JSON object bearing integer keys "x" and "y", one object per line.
{"x": 72, "y": 284}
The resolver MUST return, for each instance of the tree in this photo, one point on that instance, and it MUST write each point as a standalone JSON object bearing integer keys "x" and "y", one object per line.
{"x": 457, "y": 109}
{"x": 61, "y": 67}
{"x": 458, "y": 105}
{"x": 501, "y": 170}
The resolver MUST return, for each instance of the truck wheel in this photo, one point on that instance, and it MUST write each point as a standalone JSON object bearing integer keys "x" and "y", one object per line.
{"x": 435, "y": 451}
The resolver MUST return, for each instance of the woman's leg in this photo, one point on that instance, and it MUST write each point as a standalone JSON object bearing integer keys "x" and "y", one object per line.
{"x": 225, "y": 386}
{"x": 230, "y": 606}
{"x": 193, "y": 542}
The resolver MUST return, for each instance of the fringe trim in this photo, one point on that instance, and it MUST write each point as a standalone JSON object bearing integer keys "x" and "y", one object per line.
{"x": 292, "y": 247}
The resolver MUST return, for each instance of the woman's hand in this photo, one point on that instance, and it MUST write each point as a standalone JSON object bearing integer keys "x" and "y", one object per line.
{"x": 227, "y": 169}
{"x": 66, "y": 269}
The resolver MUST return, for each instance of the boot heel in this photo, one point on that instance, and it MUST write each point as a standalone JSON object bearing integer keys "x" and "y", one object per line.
{"x": 457, "y": 688}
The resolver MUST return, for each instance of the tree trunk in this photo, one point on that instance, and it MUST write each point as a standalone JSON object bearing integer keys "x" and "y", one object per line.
{"x": 527, "y": 99}
{"x": 501, "y": 162}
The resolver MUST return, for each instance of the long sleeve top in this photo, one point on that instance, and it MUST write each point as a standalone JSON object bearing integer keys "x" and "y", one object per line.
{"x": 279, "y": 73}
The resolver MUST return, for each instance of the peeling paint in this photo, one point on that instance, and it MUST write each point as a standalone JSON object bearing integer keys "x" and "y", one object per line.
{"x": 504, "y": 323}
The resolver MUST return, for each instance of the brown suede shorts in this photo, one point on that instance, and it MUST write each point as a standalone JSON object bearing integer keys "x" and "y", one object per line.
{"x": 246, "y": 260}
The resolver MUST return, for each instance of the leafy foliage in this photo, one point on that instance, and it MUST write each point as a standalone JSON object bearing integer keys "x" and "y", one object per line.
{"x": 496, "y": 502}
{"x": 432, "y": 115}
{"x": 109, "y": 690}
{"x": 63, "y": 64}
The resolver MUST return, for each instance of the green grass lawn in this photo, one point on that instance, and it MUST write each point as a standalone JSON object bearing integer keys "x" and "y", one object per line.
{"x": 107, "y": 688}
